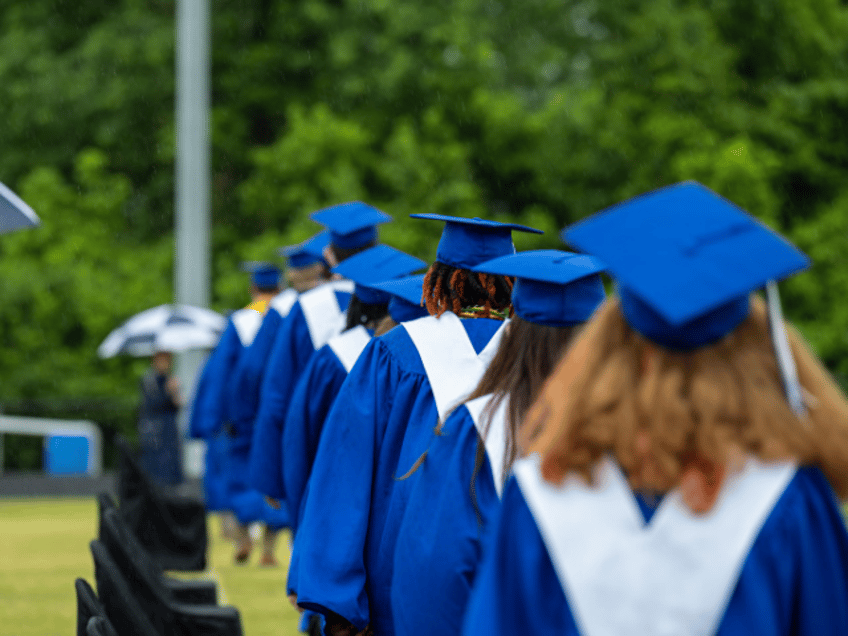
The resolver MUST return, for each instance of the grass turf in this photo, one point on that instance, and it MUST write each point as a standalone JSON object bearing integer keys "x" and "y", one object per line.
{"x": 44, "y": 547}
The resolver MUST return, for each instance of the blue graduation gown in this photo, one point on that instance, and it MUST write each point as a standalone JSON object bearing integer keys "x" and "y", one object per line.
{"x": 248, "y": 374}
{"x": 248, "y": 504}
{"x": 794, "y": 580}
{"x": 313, "y": 396}
{"x": 208, "y": 416}
{"x": 293, "y": 346}
{"x": 200, "y": 390}
{"x": 443, "y": 533}
{"x": 210, "y": 401}
{"x": 380, "y": 423}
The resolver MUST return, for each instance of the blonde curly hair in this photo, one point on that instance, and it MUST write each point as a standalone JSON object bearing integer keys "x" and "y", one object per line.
{"x": 675, "y": 419}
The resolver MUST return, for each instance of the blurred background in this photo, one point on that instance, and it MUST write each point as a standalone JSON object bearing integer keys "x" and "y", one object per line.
{"x": 530, "y": 110}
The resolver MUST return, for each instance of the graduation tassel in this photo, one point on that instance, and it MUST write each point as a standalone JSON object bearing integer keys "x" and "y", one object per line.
{"x": 785, "y": 361}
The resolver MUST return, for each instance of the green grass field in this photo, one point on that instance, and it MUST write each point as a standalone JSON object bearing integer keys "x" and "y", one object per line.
{"x": 44, "y": 547}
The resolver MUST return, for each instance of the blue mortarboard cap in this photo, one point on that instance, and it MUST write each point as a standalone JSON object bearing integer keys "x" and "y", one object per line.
{"x": 469, "y": 242}
{"x": 686, "y": 260}
{"x": 379, "y": 263}
{"x": 406, "y": 293}
{"x": 263, "y": 275}
{"x": 308, "y": 252}
{"x": 351, "y": 225}
{"x": 552, "y": 287}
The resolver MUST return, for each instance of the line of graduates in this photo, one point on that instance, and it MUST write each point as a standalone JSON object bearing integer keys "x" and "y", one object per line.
{"x": 497, "y": 447}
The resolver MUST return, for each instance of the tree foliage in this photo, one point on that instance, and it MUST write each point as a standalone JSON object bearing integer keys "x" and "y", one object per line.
{"x": 536, "y": 111}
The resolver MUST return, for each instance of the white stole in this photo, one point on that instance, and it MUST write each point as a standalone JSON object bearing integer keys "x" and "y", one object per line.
{"x": 247, "y": 323}
{"x": 324, "y": 317}
{"x": 671, "y": 577}
{"x": 348, "y": 345}
{"x": 494, "y": 439}
{"x": 284, "y": 301}
{"x": 452, "y": 365}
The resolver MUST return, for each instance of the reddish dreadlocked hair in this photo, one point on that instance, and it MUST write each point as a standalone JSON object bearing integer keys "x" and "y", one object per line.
{"x": 447, "y": 288}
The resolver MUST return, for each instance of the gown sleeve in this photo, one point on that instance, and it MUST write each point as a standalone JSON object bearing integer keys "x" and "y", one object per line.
{"x": 247, "y": 376}
{"x": 200, "y": 392}
{"x": 517, "y": 591}
{"x": 210, "y": 410}
{"x": 314, "y": 394}
{"x": 333, "y": 530}
{"x": 292, "y": 350}
{"x": 449, "y": 514}
{"x": 795, "y": 579}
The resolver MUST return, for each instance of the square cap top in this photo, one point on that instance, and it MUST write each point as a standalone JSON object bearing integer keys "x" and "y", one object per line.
{"x": 308, "y": 252}
{"x": 552, "y": 287}
{"x": 406, "y": 292}
{"x": 352, "y": 225}
{"x": 379, "y": 263}
{"x": 469, "y": 242}
{"x": 263, "y": 275}
{"x": 684, "y": 254}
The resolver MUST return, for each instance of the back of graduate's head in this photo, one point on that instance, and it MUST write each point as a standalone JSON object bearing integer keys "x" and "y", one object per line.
{"x": 337, "y": 254}
{"x": 405, "y": 301}
{"x": 352, "y": 229}
{"x": 304, "y": 278}
{"x": 264, "y": 278}
{"x": 555, "y": 293}
{"x": 449, "y": 288}
{"x": 369, "y": 270}
{"x": 307, "y": 266}
{"x": 672, "y": 417}
{"x": 678, "y": 377}
{"x": 368, "y": 315}
{"x": 450, "y": 285}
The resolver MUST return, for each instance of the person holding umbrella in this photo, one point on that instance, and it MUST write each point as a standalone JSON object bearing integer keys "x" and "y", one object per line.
{"x": 158, "y": 437}
{"x": 160, "y": 332}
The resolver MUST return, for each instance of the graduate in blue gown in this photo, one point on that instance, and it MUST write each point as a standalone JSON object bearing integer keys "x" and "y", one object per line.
{"x": 305, "y": 270}
{"x": 320, "y": 383}
{"x": 318, "y": 386}
{"x": 456, "y": 491}
{"x": 321, "y": 379}
{"x": 211, "y": 407}
{"x": 317, "y": 316}
{"x": 382, "y": 420}
{"x": 248, "y": 505}
{"x": 684, "y": 455}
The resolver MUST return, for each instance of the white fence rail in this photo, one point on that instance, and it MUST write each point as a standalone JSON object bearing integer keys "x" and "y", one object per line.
{"x": 52, "y": 428}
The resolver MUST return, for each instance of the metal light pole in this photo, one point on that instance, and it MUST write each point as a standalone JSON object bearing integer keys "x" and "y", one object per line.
{"x": 191, "y": 256}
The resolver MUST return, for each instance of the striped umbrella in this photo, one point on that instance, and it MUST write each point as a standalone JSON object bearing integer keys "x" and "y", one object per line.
{"x": 14, "y": 213}
{"x": 172, "y": 328}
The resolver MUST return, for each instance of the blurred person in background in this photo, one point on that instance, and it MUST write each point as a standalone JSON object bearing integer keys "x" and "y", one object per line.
{"x": 158, "y": 436}
{"x": 211, "y": 415}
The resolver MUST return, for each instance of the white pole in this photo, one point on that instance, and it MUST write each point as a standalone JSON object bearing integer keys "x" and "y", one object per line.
{"x": 191, "y": 257}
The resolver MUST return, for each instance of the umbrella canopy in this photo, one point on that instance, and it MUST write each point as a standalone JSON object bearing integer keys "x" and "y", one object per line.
{"x": 173, "y": 328}
{"x": 14, "y": 213}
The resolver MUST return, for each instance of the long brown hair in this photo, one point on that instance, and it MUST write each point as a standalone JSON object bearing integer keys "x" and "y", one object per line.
{"x": 525, "y": 358}
{"x": 684, "y": 419}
